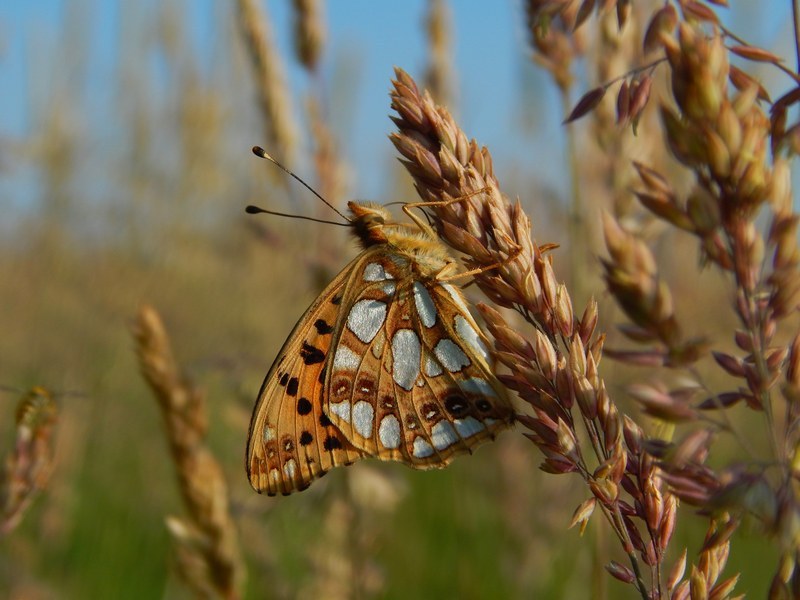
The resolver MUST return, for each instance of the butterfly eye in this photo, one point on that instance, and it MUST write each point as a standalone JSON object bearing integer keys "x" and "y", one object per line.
{"x": 370, "y": 229}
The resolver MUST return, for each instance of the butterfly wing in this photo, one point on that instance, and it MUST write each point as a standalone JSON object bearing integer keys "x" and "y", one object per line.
{"x": 291, "y": 442}
{"x": 410, "y": 379}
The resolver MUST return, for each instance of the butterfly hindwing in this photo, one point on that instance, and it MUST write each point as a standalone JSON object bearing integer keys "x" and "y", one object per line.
{"x": 410, "y": 379}
{"x": 291, "y": 441}
{"x": 461, "y": 404}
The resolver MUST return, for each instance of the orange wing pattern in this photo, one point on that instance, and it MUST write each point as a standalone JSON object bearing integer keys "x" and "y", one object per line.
{"x": 291, "y": 441}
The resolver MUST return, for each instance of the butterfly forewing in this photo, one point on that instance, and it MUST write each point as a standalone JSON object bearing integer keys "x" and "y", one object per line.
{"x": 410, "y": 379}
{"x": 291, "y": 441}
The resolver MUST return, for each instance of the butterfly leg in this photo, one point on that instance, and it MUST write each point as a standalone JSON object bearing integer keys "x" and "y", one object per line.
{"x": 407, "y": 208}
{"x": 483, "y": 269}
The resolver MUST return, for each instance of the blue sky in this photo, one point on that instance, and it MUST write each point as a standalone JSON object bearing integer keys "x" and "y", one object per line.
{"x": 371, "y": 37}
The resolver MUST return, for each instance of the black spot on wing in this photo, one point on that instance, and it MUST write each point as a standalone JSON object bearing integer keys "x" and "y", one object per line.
{"x": 303, "y": 406}
{"x": 291, "y": 387}
{"x": 322, "y": 327}
{"x": 456, "y": 405}
{"x": 311, "y": 354}
{"x": 332, "y": 443}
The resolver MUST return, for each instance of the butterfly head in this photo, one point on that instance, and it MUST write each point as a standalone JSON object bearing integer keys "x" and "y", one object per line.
{"x": 369, "y": 221}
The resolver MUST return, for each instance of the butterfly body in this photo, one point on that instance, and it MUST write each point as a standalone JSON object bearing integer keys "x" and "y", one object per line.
{"x": 386, "y": 363}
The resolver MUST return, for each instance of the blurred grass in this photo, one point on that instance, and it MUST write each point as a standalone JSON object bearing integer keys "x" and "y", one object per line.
{"x": 152, "y": 211}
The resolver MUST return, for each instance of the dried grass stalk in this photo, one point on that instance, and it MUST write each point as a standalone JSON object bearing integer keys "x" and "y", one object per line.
{"x": 344, "y": 554}
{"x": 30, "y": 464}
{"x": 738, "y": 159}
{"x": 439, "y": 75}
{"x": 332, "y": 559}
{"x": 208, "y": 554}
{"x": 309, "y": 32}
{"x": 276, "y": 106}
{"x": 556, "y": 43}
{"x": 723, "y": 137}
{"x": 553, "y": 39}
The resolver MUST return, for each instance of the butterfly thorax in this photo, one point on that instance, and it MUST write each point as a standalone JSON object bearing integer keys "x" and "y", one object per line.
{"x": 427, "y": 257}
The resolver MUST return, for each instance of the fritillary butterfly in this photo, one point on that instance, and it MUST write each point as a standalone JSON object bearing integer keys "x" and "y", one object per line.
{"x": 386, "y": 363}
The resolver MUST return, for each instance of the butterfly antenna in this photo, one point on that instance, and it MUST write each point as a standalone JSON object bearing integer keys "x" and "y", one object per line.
{"x": 254, "y": 210}
{"x": 261, "y": 153}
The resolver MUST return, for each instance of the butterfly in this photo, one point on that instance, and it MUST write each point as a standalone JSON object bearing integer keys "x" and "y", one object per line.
{"x": 386, "y": 363}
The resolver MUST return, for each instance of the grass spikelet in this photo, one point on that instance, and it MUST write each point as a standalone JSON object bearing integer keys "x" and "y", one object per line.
{"x": 208, "y": 555}
{"x": 558, "y": 374}
{"x": 735, "y": 158}
{"x": 30, "y": 463}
